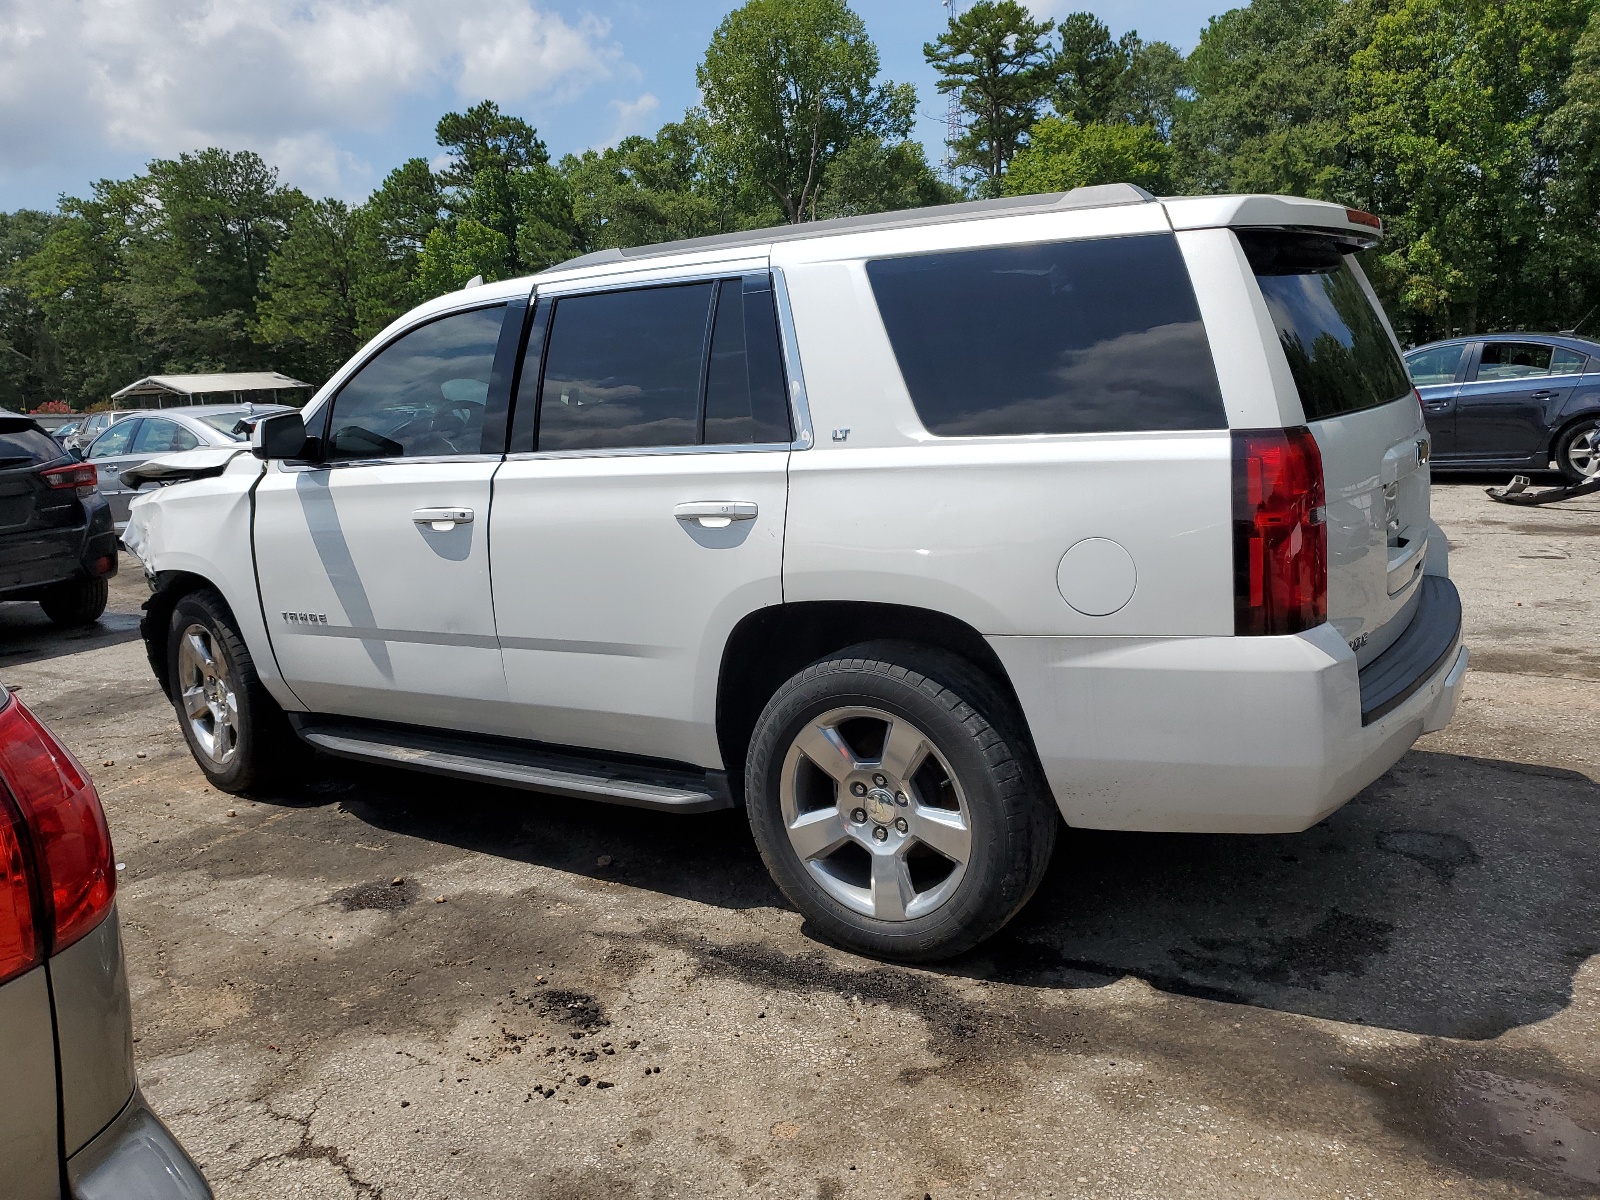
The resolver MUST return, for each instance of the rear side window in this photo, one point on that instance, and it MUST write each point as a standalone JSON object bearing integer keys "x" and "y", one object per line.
{"x": 677, "y": 365}
{"x": 1066, "y": 337}
{"x": 1525, "y": 360}
{"x": 1438, "y": 365}
{"x": 24, "y": 447}
{"x": 162, "y": 437}
{"x": 1338, "y": 350}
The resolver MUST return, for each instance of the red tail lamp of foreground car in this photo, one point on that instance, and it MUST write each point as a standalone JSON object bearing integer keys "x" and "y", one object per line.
{"x": 57, "y": 873}
{"x": 82, "y": 478}
{"x": 1280, "y": 532}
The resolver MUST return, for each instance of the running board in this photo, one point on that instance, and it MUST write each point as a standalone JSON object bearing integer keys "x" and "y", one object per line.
{"x": 520, "y": 765}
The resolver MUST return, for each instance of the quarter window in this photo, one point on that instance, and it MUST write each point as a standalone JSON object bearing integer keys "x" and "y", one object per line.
{"x": 1433, "y": 366}
{"x": 423, "y": 395}
{"x": 1066, "y": 337}
{"x": 1567, "y": 362}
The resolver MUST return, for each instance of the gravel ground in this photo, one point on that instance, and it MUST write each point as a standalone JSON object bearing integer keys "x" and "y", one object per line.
{"x": 389, "y": 986}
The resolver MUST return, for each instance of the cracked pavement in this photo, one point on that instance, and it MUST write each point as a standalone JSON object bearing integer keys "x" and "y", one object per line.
{"x": 382, "y": 985}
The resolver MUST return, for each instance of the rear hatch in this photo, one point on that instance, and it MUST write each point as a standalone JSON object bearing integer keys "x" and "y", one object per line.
{"x": 30, "y": 509}
{"x": 1361, "y": 409}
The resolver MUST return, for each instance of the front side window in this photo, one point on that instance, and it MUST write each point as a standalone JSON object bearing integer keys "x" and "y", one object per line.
{"x": 1067, "y": 337}
{"x": 1436, "y": 365}
{"x": 115, "y": 440}
{"x": 422, "y": 395}
{"x": 162, "y": 437}
{"x": 1338, "y": 349}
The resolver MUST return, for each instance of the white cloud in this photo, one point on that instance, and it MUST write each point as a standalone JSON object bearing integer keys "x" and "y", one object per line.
{"x": 630, "y": 116}
{"x": 279, "y": 76}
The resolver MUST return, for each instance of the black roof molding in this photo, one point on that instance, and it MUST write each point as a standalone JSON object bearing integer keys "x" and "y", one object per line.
{"x": 1105, "y": 195}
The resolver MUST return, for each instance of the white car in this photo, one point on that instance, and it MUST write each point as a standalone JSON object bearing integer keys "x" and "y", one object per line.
{"x": 914, "y": 534}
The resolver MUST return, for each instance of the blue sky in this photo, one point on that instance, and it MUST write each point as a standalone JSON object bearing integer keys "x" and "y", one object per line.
{"x": 334, "y": 93}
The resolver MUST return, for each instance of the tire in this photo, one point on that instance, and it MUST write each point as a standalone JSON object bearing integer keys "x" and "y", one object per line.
{"x": 1578, "y": 451}
{"x": 890, "y": 873}
{"x": 77, "y": 602}
{"x": 237, "y": 733}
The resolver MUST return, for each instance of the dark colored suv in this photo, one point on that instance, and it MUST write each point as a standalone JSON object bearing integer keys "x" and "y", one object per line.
{"x": 57, "y": 543}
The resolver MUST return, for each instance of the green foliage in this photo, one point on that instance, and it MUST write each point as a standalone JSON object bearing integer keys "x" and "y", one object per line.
{"x": 644, "y": 190}
{"x": 787, "y": 85}
{"x": 871, "y": 176}
{"x": 29, "y": 358}
{"x": 310, "y": 309}
{"x": 1088, "y": 68}
{"x": 996, "y": 59}
{"x": 1063, "y": 154}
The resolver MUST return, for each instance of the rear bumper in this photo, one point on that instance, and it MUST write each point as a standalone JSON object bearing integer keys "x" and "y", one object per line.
{"x": 1218, "y": 734}
{"x": 135, "y": 1156}
{"x": 34, "y": 559}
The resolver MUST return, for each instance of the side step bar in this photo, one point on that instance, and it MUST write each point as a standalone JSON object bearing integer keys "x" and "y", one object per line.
{"x": 528, "y": 765}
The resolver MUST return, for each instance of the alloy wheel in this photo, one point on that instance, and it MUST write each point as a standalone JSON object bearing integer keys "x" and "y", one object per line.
{"x": 875, "y": 813}
{"x": 209, "y": 702}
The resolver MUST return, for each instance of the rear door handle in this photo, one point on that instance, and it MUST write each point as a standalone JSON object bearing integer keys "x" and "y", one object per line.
{"x": 442, "y": 518}
{"x": 716, "y": 514}
{"x": 1544, "y": 395}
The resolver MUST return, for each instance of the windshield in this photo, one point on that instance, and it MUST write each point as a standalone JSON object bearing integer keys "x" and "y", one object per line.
{"x": 1338, "y": 350}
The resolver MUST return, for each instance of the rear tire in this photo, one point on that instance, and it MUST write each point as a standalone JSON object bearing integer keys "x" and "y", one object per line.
{"x": 237, "y": 733}
{"x": 896, "y": 801}
{"x": 1578, "y": 452}
{"x": 77, "y": 602}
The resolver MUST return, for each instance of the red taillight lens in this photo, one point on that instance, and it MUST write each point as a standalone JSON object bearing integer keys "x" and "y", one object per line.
{"x": 1280, "y": 532}
{"x": 1357, "y": 216}
{"x": 65, "y": 825}
{"x": 81, "y": 477}
{"x": 19, "y": 938}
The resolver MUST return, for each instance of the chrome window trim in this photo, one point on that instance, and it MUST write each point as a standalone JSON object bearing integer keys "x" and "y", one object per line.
{"x": 650, "y": 451}
{"x": 798, "y": 403}
{"x": 420, "y": 460}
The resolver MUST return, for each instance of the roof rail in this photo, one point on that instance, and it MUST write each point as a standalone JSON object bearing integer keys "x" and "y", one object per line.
{"x": 1105, "y": 195}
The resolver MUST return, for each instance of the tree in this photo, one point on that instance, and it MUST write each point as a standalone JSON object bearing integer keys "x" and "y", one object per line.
{"x": 389, "y": 232}
{"x": 787, "y": 85}
{"x": 870, "y": 176}
{"x": 995, "y": 59}
{"x": 1063, "y": 154}
{"x": 1572, "y": 248}
{"x": 1088, "y": 68}
{"x": 644, "y": 190}
{"x": 29, "y": 359}
{"x": 1151, "y": 90}
{"x": 484, "y": 138}
{"x": 310, "y": 310}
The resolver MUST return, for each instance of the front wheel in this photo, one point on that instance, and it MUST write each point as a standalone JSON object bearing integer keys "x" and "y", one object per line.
{"x": 1578, "y": 452}
{"x": 895, "y": 802}
{"x": 237, "y": 733}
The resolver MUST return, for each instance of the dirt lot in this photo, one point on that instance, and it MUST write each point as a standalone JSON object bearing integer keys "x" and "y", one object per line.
{"x": 391, "y": 986}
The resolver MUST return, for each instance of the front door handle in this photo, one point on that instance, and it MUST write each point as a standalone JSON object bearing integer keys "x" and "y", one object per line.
{"x": 1544, "y": 395}
{"x": 442, "y": 518}
{"x": 716, "y": 514}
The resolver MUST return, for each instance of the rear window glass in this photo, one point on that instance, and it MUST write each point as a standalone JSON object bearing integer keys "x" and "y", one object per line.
{"x": 224, "y": 422}
{"x": 26, "y": 447}
{"x": 1338, "y": 350}
{"x": 1065, "y": 337}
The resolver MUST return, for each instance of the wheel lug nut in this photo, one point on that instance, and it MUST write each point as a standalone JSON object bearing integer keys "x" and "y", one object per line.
{"x": 900, "y": 824}
{"x": 880, "y": 780}
{"x": 858, "y": 788}
{"x": 879, "y": 833}
{"x": 900, "y": 799}
{"x": 859, "y": 816}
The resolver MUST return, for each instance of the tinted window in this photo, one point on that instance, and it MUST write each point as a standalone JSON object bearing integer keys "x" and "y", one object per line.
{"x": 1567, "y": 362}
{"x": 224, "y": 422}
{"x": 1338, "y": 350}
{"x": 422, "y": 395}
{"x": 623, "y": 369}
{"x": 162, "y": 437}
{"x": 1070, "y": 337}
{"x": 1438, "y": 365}
{"x": 745, "y": 399}
{"x": 25, "y": 446}
{"x": 114, "y": 440}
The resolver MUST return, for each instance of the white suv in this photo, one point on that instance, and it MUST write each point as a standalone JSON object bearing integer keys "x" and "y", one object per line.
{"x": 914, "y": 534}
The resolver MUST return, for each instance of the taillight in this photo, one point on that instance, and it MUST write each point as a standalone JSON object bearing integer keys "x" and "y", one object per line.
{"x": 19, "y": 937}
{"x": 81, "y": 477}
{"x": 1280, "y": 532}
{"x": 1358, "y": 216}
{"x": 65, "y": 826}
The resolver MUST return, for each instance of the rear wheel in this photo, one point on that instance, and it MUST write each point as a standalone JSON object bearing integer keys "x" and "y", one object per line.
{"x": 77, "y": 602}
{"x": 235, "y": 730}
{"x": 1578, "y": 452}
{"x": 895, "y": 802}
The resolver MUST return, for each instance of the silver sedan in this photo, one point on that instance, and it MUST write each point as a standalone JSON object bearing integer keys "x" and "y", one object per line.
{"x": 146, "y": 435}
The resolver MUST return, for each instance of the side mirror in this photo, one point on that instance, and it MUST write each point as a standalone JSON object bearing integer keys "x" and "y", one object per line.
{"x": 282, "y": 435}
